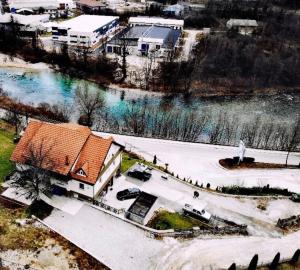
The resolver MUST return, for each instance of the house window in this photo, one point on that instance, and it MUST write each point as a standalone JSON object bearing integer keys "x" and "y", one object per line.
{"x": 157, "y": 47}
{"x": 81, "y": 186}
{"x": 81, "y": 172}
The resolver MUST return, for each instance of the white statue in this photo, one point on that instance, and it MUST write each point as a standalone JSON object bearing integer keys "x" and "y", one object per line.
{"x": 242, "y": 150}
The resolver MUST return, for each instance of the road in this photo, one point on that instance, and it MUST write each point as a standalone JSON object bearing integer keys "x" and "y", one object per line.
{"x": 189, "y": 42}
{"x": 120, "y": 245}
{"x": 200, "y": 162}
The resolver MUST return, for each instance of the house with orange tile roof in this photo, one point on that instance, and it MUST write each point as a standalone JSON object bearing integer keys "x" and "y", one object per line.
{"x": 83, "y": 164}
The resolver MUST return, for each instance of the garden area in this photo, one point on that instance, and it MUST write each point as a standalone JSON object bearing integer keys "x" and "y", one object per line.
{"x": 130, "y": 158}
{"x": 164, "y": 220}
{"x": 29, "y": 244}
{"x": 6, "y": 148}
{"x": 249, "y": 163}
{"x": 255, "y": 191}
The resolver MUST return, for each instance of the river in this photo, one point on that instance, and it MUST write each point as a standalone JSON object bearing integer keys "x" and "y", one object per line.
{"x": 31, "y": 86}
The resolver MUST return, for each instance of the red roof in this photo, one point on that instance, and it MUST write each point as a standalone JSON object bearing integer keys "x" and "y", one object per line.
{"x": 71, "y": 147}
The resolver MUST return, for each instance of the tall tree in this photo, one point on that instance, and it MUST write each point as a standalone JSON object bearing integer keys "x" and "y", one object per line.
{"x": 34, "y": 178}
{"x": 294, "y": 140}
{"x": 88, "y": 102}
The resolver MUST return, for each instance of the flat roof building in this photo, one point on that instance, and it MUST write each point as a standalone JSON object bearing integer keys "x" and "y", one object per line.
{"x": 157, "y": 21}
{"x": 144, "y": 39}
{"x": 85, "y": 30}
{"x": 28, "y": 23}
{"x": 244, "y": 27}
{"x": 90, "y": 6}
{"x": 140, "y": 207}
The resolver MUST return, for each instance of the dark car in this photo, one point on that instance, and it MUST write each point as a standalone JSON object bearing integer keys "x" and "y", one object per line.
{"x": 141, "y": 175}
{"x": 127, "y": 194}
{"x": 295, "y": 197}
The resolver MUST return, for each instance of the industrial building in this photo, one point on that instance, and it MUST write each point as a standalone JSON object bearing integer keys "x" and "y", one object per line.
{"x": 35, "y": 5}
{"x": 157, "y": 21}
{"x": 27, "y": 24}
{"x": 85, "y": 30}
{"x": 147, "y": 35}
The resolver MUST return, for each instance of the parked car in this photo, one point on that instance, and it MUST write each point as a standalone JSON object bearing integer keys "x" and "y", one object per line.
{"x": 164, "y": 177}
{"x": 189, "y": 210}
{"x": 126, "y": 194}
{"x": 141, "y": 175}
{"x": 295, "y": 197}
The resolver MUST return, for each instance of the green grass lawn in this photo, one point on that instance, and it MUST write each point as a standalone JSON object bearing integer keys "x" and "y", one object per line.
{"x": 6, "y": 148}
{"x": 129, "y": 159}
{"x": 165, "y": 220}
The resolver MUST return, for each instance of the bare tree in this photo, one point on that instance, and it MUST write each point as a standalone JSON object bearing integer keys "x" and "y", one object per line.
{"x": 294, "y": 140}
{"x": 34, "y": 177}
{"x": 13, "y": 117}
{"x": 89, "y": 102}
{"x": 124, "y": 52}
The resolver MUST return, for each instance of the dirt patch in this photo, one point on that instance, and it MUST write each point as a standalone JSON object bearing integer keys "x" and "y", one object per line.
{"x": 34, "y": 244}
{"x": 262, "y": 204}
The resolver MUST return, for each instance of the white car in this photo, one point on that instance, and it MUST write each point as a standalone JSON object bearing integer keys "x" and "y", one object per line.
{"x": 189, "y": 210}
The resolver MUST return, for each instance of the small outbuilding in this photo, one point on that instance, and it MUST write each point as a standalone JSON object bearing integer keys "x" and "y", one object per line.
{"x": 174, "y": 10}
{"x": 140, "y": 207}
{"x": 244, "y": 27}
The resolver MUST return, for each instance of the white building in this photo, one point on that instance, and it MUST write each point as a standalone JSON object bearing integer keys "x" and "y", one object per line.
{"x": 156, "y": 21}
{"x": 27, "y": 23}
{"x": 174, "y": 10}
{"x": 82, "y": 163}
{"x": 141, "y": 40}
{"x": 244, "y": 27}
{"x": 85, "y": 30}
{"x": 35, "y": 5}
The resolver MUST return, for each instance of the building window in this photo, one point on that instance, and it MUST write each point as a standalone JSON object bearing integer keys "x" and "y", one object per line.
{"x": 157, "y": 47}
{"x": 81, "y": 186}
{"x": 81, "y": 172}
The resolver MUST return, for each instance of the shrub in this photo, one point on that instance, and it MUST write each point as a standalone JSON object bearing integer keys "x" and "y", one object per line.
{"x": 39, "y": 209}
{"x": 275, "y": 262}
{"x": 253, "y": 263}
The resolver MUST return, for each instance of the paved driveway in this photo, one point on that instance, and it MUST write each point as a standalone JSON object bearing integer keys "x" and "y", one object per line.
{"x": 120, "y": 245}
{"x": 117, "y": 244}
{"x": 201, "y": 162}
{"x": 173, "y": 194}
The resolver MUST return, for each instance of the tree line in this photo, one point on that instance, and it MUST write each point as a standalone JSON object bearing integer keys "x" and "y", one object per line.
{"x": 147, "y": 120}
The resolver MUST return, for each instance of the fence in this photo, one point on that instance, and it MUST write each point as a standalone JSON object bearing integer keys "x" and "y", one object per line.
{"x": 109, "y": 208}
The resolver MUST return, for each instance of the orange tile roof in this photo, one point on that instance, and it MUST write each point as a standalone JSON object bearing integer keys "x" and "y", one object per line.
{"x": 91, "y": 158}
{"x": 72, "y": 146}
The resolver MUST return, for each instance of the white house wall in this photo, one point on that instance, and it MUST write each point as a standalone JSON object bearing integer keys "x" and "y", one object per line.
{"x": 113, "y": 150}
{"x": 105, "y": 176}
{"x": 73, "y": 185}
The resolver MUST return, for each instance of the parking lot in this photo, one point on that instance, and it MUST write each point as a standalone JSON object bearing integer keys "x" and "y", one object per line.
{"x": 171, "y": 194}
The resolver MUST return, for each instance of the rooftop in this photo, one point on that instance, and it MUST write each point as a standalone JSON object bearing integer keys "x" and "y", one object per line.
{"x": 91, "y": 3}
{"x": 35, "y": 4}
{"x": 155, "y": 21}
{"x": 167, "y": 34}
{"x": 242, "y": 22}
{"x": 87, "y": 23}
{"x": 23, "y": 19}
{"x": 142, "y": 204}
{"x": 66, "y": 148}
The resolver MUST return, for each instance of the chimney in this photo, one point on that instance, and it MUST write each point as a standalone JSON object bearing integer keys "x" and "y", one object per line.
{"x": 67, "y": 162}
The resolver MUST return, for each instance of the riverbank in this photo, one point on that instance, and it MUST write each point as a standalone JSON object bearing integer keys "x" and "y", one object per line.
{"x": 15, "y": 62}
